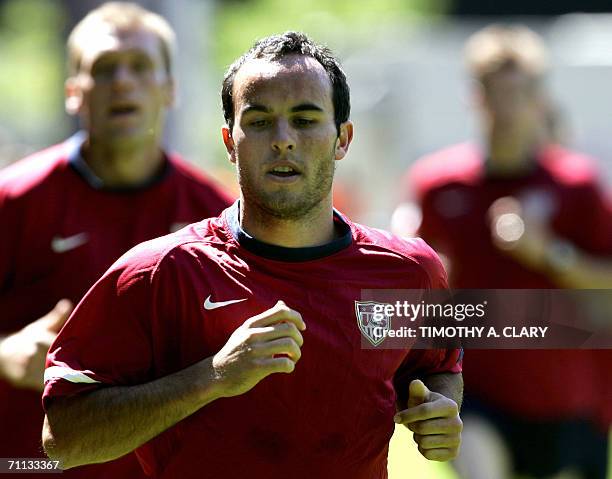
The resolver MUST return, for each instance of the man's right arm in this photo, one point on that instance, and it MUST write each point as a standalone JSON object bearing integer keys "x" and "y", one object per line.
{"x": 110, "y": 422}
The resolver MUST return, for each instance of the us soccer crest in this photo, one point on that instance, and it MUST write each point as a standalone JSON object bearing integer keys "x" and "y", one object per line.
{"x": 373, "y": 323}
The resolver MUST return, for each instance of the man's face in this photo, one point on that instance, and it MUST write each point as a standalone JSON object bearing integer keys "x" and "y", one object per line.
{"x": 511, "y": 96}
{"x": 284, "y": 141}
{"x": 122, "y": 89}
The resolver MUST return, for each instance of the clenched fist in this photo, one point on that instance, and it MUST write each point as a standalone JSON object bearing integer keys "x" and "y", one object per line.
{"x": 434, "y": 420}
{"x": 264, "y": 344}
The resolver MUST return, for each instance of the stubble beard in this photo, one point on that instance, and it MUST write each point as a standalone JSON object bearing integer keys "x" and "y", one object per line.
{"x": 284, "y": 204}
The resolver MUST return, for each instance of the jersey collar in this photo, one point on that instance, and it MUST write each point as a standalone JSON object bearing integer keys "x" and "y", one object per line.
{"x": 80, "y": 166}
{"x": 283, "y": 253}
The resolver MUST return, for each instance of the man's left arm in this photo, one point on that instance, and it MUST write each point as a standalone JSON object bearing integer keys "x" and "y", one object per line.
{"x": 432, "y": 414}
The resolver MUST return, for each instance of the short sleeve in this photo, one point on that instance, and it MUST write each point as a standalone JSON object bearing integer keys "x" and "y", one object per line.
{"x": 420, "y": 363}
{"x": 107, "y": 340}
{"x": 429, "y": 260}
{"x": 9, "y": 226}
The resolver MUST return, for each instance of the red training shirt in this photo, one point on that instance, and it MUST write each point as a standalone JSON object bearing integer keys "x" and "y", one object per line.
{"x": 455, "y": 191}
{"x": 60, "y": 230}
{"x": 147, "y": 317}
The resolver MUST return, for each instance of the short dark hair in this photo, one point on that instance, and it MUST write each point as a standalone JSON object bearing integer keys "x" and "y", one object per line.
{"x": 278, "y": 46}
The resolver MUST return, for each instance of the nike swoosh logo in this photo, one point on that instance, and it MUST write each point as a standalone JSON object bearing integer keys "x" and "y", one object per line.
{"x": 208, "y": 304}
{"x": 62, "y": 245}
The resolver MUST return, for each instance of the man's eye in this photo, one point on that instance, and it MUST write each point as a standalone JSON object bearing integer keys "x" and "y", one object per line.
{"x": 303, "y": 121}
{"x": 103, "y": 70}
{"x": 259, "y": 123}
{"x": 141, "y": 65}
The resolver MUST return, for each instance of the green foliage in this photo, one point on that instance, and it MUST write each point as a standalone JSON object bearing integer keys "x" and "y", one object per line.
{"x": 344, "y": 25}
{"x": 339, "y": 23}
{"x": 31, "y": 71}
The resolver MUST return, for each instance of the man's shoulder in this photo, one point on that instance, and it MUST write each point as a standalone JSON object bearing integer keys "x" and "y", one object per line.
{"x": 192, "y": 242}
{"x": 196, "y": 178}
{"x": 569, "y": 167}
{"x": 32, "y": 171}
{"x": 376, "y": 238}
{"x": 460, "y": 163}
{"x": 379, "y": 242}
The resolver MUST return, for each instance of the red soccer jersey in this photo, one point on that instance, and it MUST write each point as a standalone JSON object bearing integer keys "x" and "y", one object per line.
{"x": 455, "y": 192}
{"x": 332, "y": 417}
{"x": 59, "y": 232}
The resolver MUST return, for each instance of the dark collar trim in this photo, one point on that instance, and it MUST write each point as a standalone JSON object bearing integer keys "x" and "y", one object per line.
{"x": 532, "y": 166}
{"x": 282, "y": 253}
{"x": 81, "y": 168}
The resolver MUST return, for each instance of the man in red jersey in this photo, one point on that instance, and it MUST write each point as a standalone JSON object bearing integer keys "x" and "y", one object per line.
{"x": 68, "y": 212}
{"x": 527, "y": 412}
{"x": 235, "y": 348}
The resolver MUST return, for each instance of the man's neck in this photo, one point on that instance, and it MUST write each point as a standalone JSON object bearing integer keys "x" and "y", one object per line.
{"x": 314, "y": 229}
{"x": 123, "y": 167}
{"x": 510, "y": 152}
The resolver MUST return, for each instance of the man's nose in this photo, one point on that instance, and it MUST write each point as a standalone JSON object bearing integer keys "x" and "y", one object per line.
{"x": 283, "y": 138}
{"x": 123, "y": 77}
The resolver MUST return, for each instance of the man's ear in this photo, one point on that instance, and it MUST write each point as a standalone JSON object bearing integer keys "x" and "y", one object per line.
{"x": 171, "y": 93}
{"x": 228, "y": 141}
{"x": 73, "y": 96}
{"x": 344, "y": 139}
{"x": 477, "y": 95}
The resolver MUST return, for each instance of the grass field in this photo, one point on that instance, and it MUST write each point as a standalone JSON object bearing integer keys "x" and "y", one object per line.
{"x": 405, "y": 462}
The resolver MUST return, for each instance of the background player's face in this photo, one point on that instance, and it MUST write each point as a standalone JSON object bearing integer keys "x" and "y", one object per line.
{"x": 284, "y": 141}
{"x": 122, "y": 89}
{"x": 511, "y": 96}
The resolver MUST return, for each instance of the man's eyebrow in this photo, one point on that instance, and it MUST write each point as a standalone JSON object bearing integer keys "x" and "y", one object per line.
{"x": 296, "y": 109}
{"x": 306, "y": 107}
{"x": 255, "y": 107}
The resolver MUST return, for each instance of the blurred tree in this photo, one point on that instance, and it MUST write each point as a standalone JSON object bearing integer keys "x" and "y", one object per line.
{"x": 342, "y": 23}
{"x": 31, "y": 71}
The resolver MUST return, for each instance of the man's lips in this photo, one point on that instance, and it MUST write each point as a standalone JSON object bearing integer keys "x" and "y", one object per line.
{"x": 284, "y": 169}
{"x": 123, "y": 109}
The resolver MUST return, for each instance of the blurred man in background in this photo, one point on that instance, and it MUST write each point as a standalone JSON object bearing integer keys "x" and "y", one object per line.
{"x": 527, "y": 412}
{"x": 68, "y": 212}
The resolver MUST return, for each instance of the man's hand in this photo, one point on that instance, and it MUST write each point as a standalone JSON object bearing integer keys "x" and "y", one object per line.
{"x": 264, "y": 344}
{"x": 22, "y": 354}
{"x": 434, "y": 420}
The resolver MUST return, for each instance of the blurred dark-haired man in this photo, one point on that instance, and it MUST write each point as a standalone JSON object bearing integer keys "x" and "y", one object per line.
{"x": 248, "y": 359}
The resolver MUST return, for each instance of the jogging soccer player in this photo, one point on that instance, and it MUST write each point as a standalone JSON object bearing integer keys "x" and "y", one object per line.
{"x": 537, "y": 406}
{"x": 68, "y": 212}
{"x": 235, "y": 348}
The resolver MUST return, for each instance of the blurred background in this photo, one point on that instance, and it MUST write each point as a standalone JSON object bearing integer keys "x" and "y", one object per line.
{"x": 410, "y": 94}
{"x": 403, "y": 58}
